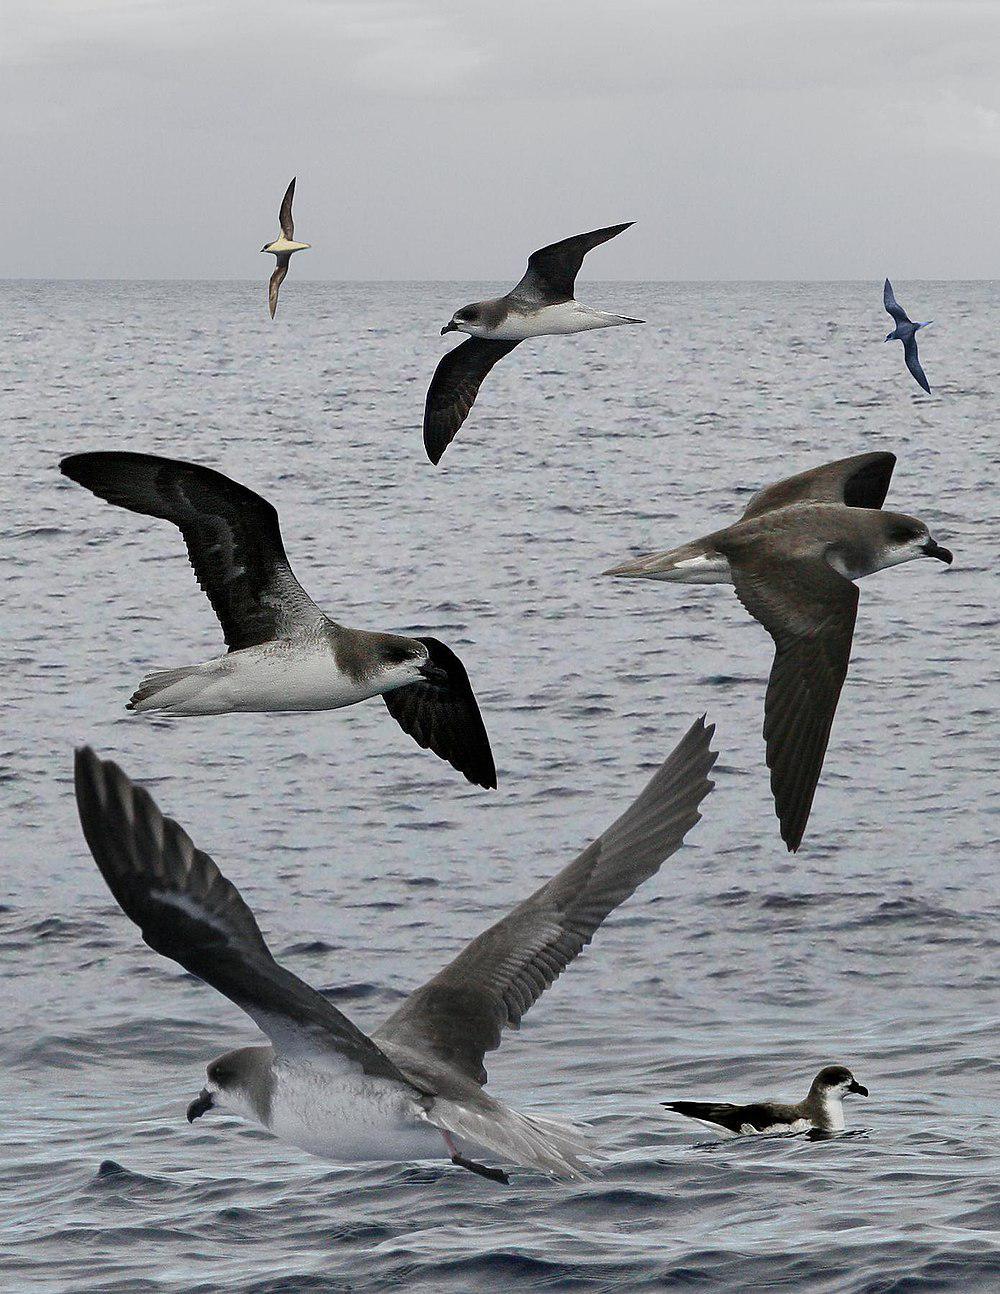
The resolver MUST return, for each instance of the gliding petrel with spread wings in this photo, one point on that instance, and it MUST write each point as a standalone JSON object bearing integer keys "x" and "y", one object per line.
{"x": 282, "y": 248}
{"x": 906, "y": 332}
{"x": 541, "y": 304}
{"x": 793, "y": 557}
{"x": 284, "y": 653}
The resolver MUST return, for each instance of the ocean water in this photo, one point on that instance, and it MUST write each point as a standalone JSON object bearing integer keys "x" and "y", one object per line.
{"x": 735, "y": 973}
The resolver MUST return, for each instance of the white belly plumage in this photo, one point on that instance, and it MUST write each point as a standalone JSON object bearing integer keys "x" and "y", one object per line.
{"x": 350, "y": 1118}
{"x": 275, "y": 676}
{"x": 566, "y": 317}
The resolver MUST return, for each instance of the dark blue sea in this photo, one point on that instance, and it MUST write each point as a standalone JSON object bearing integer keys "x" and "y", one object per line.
{"x": 735, "y": 973}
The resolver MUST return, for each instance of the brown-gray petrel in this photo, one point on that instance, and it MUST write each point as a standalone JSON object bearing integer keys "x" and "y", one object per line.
{"x": 793, "y": 557}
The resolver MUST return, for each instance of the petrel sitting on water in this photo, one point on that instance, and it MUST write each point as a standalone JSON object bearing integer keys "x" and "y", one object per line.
{"x": 793, "y": 558}
{"x": 284, "y": 653}
{"x": 906, "y": 332}
{"x": 821, "y": 1111}
{"x": 282, "y": 247}
{"x": 541, "y": 304}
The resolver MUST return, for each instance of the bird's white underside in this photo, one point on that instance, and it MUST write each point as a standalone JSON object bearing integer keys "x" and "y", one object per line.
{"x": 280, "y": 675}
{"x": 566, "y": 317}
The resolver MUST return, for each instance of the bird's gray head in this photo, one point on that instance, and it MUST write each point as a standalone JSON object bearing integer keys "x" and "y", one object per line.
{"x": 240, "y": 1082}
{"x": 407, "y": 661}
{"x": 906, "y": 538}
{"x": 464, "y": 320}
{"x": 835, "y": 1082}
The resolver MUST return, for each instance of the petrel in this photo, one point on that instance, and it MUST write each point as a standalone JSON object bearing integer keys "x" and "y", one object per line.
{"x": 282, "y": 247}
{"x": 542, "y": 303}
{"x": 822, "y": 1109}
{"x": 906, "y": 332}
{"x": 413, "y": 1088}
{"x": 793, "y": 557}
{"x": 284, "y": 653}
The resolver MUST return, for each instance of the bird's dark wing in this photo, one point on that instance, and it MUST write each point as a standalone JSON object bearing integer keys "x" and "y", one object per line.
{"x": 189, "y": 912}
{"x": 285, "y": 214}
{"x": 232, "y": 537}
{"x": 809, "y": 610}
{"x": 892, "y": 305}
{"x": 454, "y": 388}
{"x": 276, "y": 280}
{"x": 441, "y": 714}
{"x": 860, "y": 482}
{"x": 551, "y": 273}
{"x": 734, "y": 1117}
{"x": 461, "y": 1013}
{"x": 913, "y": 362}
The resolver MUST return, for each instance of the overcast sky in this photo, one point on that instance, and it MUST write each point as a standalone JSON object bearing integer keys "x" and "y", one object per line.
{"x": 448, "y": 138}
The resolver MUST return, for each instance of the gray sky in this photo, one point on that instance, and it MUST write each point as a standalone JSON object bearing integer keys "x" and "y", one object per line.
{"x": 448, "y": 138}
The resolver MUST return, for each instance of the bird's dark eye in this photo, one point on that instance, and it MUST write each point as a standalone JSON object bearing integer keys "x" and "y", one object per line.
{"x": 219, "y": 1075}
{"x": 903, "y": 534}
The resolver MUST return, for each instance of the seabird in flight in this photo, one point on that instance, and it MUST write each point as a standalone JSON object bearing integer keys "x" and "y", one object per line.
{"x": 906, "y": 332}
{"x": 541, "y": 304}
{"x": 284, "y": 653}
{"x": 793, "y": 558}
{"x": 282, "y": 247}
{"x": 413, "y": 1088}
{"x": 821, "y": 1111}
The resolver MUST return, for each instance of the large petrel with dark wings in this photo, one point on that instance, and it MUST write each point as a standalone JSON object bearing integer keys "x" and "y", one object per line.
{"x": 284, "y": 653}
{"x": 793, "y": 557}
{"x": 542, "y": 303}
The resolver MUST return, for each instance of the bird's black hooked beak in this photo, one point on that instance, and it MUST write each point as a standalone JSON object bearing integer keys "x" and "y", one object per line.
{"x": 434, "y": 673}
{"x": 935, "y": 550}
{"x": 449, "y": 327}
{"x": 856, "y": 1087}
{"x": 202, "y": 1102}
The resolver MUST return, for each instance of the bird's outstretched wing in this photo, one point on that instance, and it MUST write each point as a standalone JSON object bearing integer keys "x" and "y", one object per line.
{"x": 454, "y": 388}
{"x": 809, "y": 609}
{"x": 285, "y": 214}
{"x": 276, "y": 280}
{"x": 232, "y": 536}
{"x": 551, "y": 273}
{"x": 859, "y": 482}
{"x": 913, "y": 362}
{"x": 441, "y": 714}
{"x": 189, "y": 912}
{"x": 460, "y": 1014}
{"x": 892, "y": 305}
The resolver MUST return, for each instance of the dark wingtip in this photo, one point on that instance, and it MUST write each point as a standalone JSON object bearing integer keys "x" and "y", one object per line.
{"x": 434, "y": 452}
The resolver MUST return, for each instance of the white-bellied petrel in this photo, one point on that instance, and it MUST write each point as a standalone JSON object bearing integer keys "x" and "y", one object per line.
{"x": 541, "y": 304}
{"x": 284, "y": 653}
{"x": 822, "y": 1110}
{"x": 413, "y": 1088}
{"x": 793, "y": 557}
{"x": 282, "y": 248}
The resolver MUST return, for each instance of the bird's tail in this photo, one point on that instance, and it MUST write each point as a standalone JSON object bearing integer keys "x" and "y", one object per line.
{"x": 559, "y": 1149}
{"x": 171, "y": 690}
